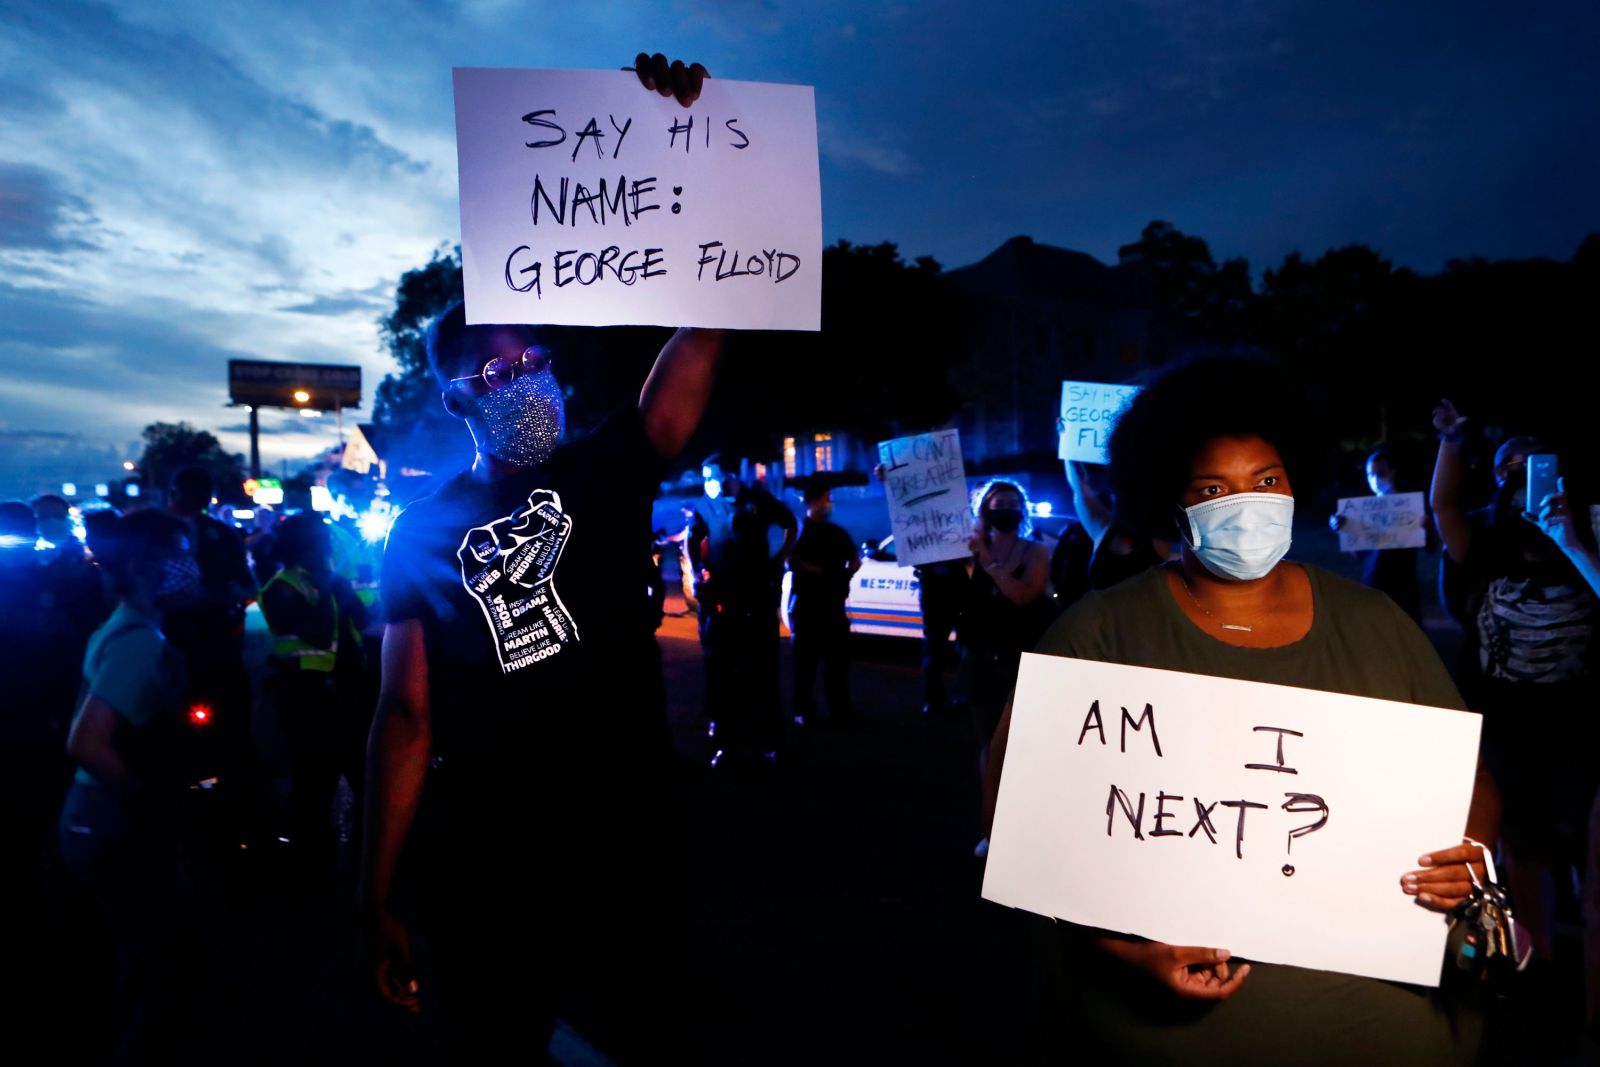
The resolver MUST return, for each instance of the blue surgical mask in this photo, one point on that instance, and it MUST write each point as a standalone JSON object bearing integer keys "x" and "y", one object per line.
{"x": 1241, "y": 536}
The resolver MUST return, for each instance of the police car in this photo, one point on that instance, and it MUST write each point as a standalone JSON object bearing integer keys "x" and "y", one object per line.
{"x": 883, "y": 595}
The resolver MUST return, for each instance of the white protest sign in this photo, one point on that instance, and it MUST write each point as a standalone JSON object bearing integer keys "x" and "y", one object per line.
{"x": 925, "y": 482}
{"x": 1271, "y": 821}
{"x": 1393, "y": 521}
{"x": 586, "y": 200}
{"x": 1088, "y": 410}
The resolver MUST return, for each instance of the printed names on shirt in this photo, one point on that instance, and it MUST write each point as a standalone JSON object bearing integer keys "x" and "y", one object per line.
{"x": 509, "y": 567}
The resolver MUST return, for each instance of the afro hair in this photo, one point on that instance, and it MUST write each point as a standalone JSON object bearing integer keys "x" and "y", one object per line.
{"x": 1188, "y": 404}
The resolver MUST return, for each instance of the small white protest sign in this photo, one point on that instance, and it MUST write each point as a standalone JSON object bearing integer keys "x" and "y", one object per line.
{"x": 925, "y": 482}
{"x": 1270, "y": 821}
{"x": 1397, "y": 520}
{"x": 586, "y": 200}
{"x": 1088, "y": 411}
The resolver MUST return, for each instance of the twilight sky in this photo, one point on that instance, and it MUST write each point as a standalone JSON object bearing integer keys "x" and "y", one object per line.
{"x": 192, "y": 180}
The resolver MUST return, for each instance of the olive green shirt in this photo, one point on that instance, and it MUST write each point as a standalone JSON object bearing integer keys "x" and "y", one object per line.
{"x": 1360, "y": 643}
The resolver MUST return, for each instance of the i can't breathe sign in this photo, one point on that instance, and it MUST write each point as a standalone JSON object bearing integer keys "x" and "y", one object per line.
{"x": 1266, "y": 820}
{"x": 586, "y": 200}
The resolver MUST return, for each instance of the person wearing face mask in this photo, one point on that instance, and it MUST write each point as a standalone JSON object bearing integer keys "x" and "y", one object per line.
{"x": 1529, "y": 664}
{"x": 1007, "y": 607}
{"x": 1210, "y": 454}
{"x": 1390, "y": 570}
{"x": 119, "y": 827}
{"x": 521, "y": 683}
{"x": 823, "y": 562}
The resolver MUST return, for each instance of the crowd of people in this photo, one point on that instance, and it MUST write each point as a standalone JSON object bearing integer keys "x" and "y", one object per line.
{"x": 131, "y": 690}
{"x": 503, "y": 697}
{"x": 144, "y": 737}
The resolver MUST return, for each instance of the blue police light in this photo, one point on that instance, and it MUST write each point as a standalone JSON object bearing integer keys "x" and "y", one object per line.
{"x": 374, "y": 527}
{"x": 1044, "y": 509}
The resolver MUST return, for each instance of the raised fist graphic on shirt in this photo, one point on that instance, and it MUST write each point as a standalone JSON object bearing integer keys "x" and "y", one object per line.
{"x": 508, "y": 565}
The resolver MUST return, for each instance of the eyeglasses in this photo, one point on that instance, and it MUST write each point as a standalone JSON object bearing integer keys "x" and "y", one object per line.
{"x": 501, "y": 371}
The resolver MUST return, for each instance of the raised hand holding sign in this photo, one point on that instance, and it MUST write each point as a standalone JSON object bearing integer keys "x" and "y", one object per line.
{"x": 587, "y": 202}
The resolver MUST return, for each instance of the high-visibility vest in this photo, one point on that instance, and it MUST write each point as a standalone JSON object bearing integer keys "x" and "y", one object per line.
{"x": 290, "y": 648}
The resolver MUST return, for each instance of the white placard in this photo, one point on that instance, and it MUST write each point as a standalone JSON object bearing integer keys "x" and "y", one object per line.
{"x": 586, "y": 200}
{"x": 1308, "y": 873}
{"x": 925, "y": 482}
{"x": 1088, "y": 410}
{"x": 1397, "y": 520}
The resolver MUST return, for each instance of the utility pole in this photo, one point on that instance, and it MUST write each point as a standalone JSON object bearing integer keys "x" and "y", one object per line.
{"x": 255, "y": 443}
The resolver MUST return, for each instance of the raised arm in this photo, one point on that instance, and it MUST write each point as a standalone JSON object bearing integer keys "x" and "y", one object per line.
{"x": 1558, "y": 524}
{"x": 679, "y": 387}
{"x": 1444, "y": 497}
{"x": 1035, "y": 578}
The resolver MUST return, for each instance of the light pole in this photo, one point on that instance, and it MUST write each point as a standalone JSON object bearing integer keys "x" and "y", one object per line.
{"x": 255, "y": 443}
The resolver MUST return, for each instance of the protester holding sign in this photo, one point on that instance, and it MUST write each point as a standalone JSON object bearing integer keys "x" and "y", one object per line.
{"x": 1206, "y": 455}
{"x": 934, "y": 544}
{"x": 519, "y": 664}
{"x": 586, "y": 203}
{"x": 1389, "y": 570}
{"x": 1530, "y": 662}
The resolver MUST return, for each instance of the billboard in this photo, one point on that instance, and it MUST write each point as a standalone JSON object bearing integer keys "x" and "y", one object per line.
{"x": 312, "y": 386}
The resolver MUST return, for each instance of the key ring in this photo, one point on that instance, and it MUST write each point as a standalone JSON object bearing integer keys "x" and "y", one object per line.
{"x": 1488, "y": 864}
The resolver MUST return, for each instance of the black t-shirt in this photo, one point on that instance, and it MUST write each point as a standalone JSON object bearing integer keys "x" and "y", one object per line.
{"x": 826, "y": 545}
{"x": 1069, "y": 565}
{"x": 543, "y": 673}
{"x": 738, "y": 554}
{"x": 1528, "y": 614}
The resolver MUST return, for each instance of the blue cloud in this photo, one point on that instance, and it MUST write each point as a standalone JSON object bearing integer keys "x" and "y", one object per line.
{"x": 173, "y": 69}
{"x": 36, "y": 211}
{"x": 344, "y": 303}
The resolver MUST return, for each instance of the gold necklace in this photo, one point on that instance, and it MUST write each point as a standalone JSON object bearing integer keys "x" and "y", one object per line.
{"x": 1213, "y": 618}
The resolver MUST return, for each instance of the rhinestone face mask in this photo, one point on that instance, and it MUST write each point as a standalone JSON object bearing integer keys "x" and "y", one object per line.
{"x": 180, "y": 582}
{"x": 523, "y": 421}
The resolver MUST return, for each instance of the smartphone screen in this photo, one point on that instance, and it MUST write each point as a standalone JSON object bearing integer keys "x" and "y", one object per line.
{"x": 1543, "y": 477}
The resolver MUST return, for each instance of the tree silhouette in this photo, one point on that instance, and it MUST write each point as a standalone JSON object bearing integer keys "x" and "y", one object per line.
{"x": 171, "y": 446}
